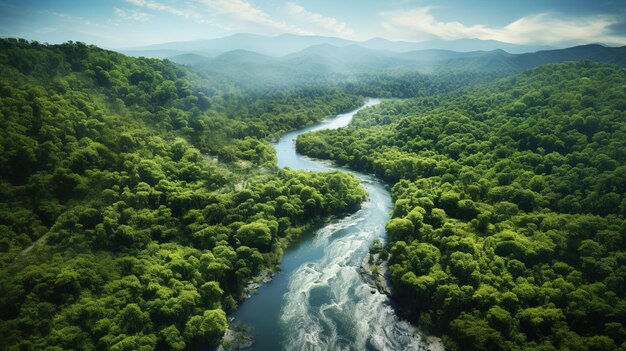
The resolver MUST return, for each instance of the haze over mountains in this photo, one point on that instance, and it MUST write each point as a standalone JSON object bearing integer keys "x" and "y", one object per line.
{"x": 289, "y": 59}
{"x": 285, "y": 44}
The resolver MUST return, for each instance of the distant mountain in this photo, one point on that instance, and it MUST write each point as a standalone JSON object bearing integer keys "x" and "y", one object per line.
{"x": 167, "y": 53}
{"x": 325, "y": 62}
{"x": 504, "y": 61}
{"x": 384, "y": 44}
{"x": 460, "y": 45}
{"x": 434, "y": 55}
{"x": 240, "y": 56}
{"x": 344, "y": 59}
{"x": 465, "y": 45}
{"x": 317, "y": 62}
{"x": 594, "y": 52}
{"x": 286, "y": 44}
{"x": 273, "y": 46}
{"x": 155, "y": 53}
{"x": 187, "y": 59}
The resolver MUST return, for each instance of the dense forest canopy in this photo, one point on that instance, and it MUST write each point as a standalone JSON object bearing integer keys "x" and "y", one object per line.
{"x": 508, "y": 229}
{"x": 139, "y": 198}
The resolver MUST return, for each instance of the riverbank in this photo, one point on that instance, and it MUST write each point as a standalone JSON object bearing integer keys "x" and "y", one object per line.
{"x": 374, "y": 270}
{"x": 240, "y": 333}
{"x": 237, "y": 336}
{"x": 319, "y": 300}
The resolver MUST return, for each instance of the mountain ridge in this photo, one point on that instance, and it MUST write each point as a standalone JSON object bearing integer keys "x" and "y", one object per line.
{"x": 354, "y": 59}
{"x": 285, "y": 44}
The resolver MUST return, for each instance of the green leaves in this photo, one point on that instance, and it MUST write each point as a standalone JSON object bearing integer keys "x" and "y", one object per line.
{"x": 135, "y": 195}
{"x": 400, "y": 229}
{"x": 509, "y": 198}
{"x": 205, "y": 329}
{"x": 256, "y": 234}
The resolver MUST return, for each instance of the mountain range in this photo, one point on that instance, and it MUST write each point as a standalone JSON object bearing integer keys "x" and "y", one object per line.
{"x": 288, "y": 59}
{"x": 327, "y": 62}
{"x": 285, "y": 44}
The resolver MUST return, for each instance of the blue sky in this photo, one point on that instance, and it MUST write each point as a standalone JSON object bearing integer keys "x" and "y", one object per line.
{"x": 131, "y": 23}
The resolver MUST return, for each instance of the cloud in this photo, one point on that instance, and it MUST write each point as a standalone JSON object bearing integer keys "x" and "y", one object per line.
{"x": 73, "y": 19}
{"x": 157, "y": 6}
{"x": 550, "y": 30}
{"x": 222, "y": 13}
{"x": 131, "y": 14}
{"x": 328, "y": 23}
{"x": 542, "y": 28}
{"x": 243, "y": 11}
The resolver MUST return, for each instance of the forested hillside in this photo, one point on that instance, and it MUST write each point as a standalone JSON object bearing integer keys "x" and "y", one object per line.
{"x": 137, "y": 198}
{"x": 508, "y": 229}
{"x": 405, "y": 74}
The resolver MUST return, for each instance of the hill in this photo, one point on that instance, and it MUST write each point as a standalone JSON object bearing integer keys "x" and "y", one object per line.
{"x": 500, "y": 60}
{"x": 328, "y": 64}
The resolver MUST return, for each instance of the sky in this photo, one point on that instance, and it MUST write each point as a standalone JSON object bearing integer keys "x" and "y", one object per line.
{"x": 136, "y": 23}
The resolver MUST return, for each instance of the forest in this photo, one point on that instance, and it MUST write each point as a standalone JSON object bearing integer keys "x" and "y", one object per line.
{"x": 139, "y": 198}
{"x": 508, "y": 229}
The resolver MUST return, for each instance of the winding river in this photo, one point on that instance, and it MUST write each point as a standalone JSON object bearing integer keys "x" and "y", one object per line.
{"x": 319, "y": 301}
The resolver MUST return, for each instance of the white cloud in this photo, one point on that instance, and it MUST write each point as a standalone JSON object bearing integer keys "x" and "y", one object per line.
{"x": 328, "y": 23}
{"x": 73, "y": 19}
{"x": 225, "y": 14}
{"x": 243, "y": 11}
{"x": 131, "y": 14}
{"x": 157, "y": 6}
{"x": 543, "y": 28}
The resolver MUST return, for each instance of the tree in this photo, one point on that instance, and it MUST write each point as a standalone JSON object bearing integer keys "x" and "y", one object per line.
{"x": 133, "y": 319}
{"x": 206, "y": 329}
{"x": 256, "y": 234}
{"x": 172, "y": 338}
{"x": 400, "y": 229}
{"x": 211, "y": 294}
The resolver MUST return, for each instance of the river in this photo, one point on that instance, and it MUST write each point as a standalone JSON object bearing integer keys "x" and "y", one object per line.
{"x": 319, "y": 301}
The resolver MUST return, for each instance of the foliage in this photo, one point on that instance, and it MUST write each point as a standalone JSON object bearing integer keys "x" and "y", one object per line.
{"x": 508, "y": 226}
{"x": 120, "y": 229}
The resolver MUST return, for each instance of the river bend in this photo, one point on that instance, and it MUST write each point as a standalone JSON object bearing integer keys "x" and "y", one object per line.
{"x": 319, "y": 300}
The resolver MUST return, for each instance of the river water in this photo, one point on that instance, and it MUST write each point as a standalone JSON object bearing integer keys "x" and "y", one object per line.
{"x": 319, "y": 301}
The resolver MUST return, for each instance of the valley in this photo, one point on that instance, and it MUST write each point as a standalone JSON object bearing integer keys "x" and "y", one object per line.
{"x": 250, "y": 191}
